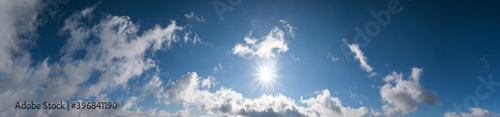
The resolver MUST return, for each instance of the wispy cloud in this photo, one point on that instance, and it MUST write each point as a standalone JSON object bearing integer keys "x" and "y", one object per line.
{"x": 289, "y": 27}
{"x": 332, "y": 58}
{"x": 218, "y": 68}
{"x": 357, "y": 97}
{"x": 359, "y": 56}
{"x": 295, "y": 58}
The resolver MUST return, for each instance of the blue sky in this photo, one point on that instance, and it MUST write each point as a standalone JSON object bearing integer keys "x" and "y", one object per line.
{"x": 252, "y": 58}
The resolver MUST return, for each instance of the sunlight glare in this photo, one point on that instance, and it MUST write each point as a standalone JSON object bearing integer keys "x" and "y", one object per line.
{"x": 266, "y": 74}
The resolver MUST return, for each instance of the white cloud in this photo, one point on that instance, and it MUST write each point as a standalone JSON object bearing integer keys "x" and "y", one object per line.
{"x": 20, "y": 77}
{"x": 218, "y": 68}
{"x": 359, "y": 56}
{"x": 289, "y": 27}
{"x": 189, "y": 91}
{"x": 475, "y": 112}
{"x": 325, "y": 105}
{"x": 153, "y": 87}
{"x": 404, "y": 95}
{"x": 114, "y": 51}
{"x": 195, "y": 39}
{"x": 372, "y": 74}
{"x": 118, "y": 53}
{"x": 266, "y": 47}
{"x": 208, "y": 82}
{"x": 332, "y": 58}
{"x": 17, "y": 28}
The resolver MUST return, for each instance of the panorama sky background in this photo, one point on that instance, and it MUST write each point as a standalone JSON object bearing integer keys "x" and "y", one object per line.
{"x": 343, "y": 58}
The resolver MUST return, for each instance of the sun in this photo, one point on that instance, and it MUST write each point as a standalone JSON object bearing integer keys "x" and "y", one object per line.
{"x": 266, "y": 75}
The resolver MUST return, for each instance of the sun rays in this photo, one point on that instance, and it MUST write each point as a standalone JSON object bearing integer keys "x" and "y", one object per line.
{"x": 266, "y": 75}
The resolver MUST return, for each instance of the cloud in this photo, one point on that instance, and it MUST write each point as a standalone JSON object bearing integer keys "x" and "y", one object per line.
{"x": 113, "y": 51}
{"x": 358, "y": 97}
{"x": 153, "y": 87}
{"x": 325, "y": 105}
{"x": 188, "y": 90}
{"x": 402, "y": 96}
{"x": 208, "y": 82}
{"x": 17, "y": 29}
{"x": 268, "y": 46}
{"x": 289, "y": 27}
{"x": 373, "y": 74}
{"x": 332, "y": 58}
{"x": 217, "y": 68}
{"x": 117, "y": 52}
{"x": 195, "y": 39}
{"x": 294, "y": 58}
{"x": 19, "y": 75}
{"x": 475, "y": 112}
{"x": 359, "y": 56}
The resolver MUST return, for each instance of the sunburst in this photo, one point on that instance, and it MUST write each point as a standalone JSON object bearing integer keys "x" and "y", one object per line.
{"x": 266, "y": 74}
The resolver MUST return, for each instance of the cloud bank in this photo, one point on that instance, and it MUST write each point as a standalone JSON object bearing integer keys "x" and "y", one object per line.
{"x": 190, "y": 90}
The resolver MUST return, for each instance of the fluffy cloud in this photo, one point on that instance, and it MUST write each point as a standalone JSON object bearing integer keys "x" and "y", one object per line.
{"x": 402, "y": 96}
{"x": 113, "y": 51}
{"x": 19, "y": 76}
{"x": 117, "y": 52}
{"x": 475, "y": 112}
{"x": 266, "y": 47}
{"x": 190, "y": 92}
{"x": 17, "y": 28}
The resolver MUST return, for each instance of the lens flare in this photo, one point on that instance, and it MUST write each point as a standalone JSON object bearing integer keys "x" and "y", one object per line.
{"x": 266, "y": 75}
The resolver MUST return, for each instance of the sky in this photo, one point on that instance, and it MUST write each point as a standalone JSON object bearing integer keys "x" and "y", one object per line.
{"x": 342, "y": 58}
